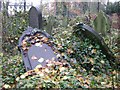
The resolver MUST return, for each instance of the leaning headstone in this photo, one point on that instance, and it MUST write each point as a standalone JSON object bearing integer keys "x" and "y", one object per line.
{"x": 35, "y": 17}
{"x": 90, "y": 33}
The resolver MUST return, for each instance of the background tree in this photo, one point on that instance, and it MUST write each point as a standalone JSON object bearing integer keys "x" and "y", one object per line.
{"x": 85, "y": 6}
{"x": 0, "y": 5}
{"x": 113, "y": 8}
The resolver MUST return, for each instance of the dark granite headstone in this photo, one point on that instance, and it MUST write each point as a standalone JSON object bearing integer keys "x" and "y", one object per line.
{"x": 35, "y": 17}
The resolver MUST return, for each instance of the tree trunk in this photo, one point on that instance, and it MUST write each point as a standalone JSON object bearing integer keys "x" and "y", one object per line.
{"x": 56, "y": 8}
{"x": 0, "y": 5}
{"x": 118, "y": 22}
{"x": 64, "y": 9}
{"x": 24, "y": 5}
{"x": 98, "y": 6}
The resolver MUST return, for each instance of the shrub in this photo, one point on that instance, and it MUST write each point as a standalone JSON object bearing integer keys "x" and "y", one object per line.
{"x": 13, "y": 27}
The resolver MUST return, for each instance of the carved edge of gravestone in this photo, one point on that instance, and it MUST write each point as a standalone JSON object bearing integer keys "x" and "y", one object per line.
{"x": 98, "y": 39}
{"x": 30, "y": 31}
{"x": 35, "y": 17}
{"x": 24, "y": 57}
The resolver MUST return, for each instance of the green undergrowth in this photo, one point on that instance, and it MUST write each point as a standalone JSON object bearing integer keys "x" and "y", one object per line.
{"x": 86, "y": 60}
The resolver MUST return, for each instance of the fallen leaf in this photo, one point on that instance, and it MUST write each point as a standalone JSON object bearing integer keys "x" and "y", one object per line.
{"x": 18, "y": 78}
{"x": 34, "y": 57}
{"x": 22, "y": 76}
{"x": 94, "y": 51}
{"x": 44, "y": 39}
{"x": 39, "y": 66}
{"x": 41, "y": 60}
{"x": 38, "y": 44}
{"x": 7, "y": 86}
{"x": 62, "y": 69}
